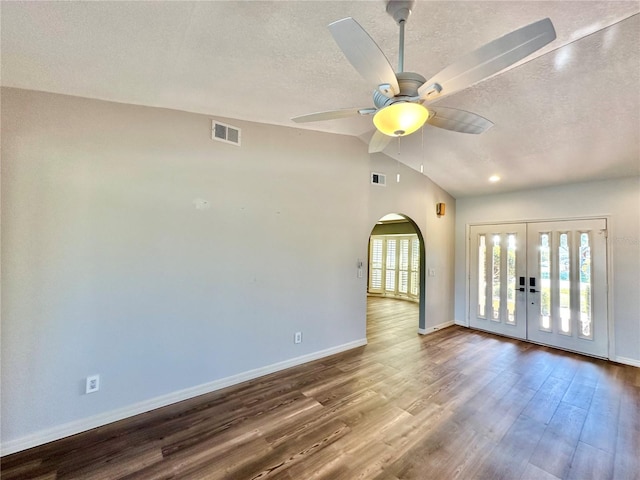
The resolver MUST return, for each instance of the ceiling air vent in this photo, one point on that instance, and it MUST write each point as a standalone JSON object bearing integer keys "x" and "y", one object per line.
{"x": 378, "y": 179}
{"x": 225, "y": 133}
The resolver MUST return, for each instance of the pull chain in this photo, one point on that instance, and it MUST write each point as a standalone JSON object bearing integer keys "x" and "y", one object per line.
{"x": 422, "y": 164}
{"x": 398, "y": 163}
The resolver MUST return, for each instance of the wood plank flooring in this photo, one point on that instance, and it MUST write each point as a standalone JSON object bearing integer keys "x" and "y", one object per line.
{"x": 456, "y": 404}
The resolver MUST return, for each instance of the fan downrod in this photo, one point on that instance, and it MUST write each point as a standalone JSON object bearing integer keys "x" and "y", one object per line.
{"x": 400, "y": 11}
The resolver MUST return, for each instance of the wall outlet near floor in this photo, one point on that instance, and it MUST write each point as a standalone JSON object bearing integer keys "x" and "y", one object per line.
{"x": 297, "y": 337}
{"x": 93, "y": 384}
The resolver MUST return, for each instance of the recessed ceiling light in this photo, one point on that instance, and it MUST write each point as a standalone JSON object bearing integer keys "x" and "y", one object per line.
{"x": 494, "y": 178}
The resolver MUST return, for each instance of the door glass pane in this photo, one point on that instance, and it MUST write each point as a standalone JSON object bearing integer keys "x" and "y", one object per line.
{"x": 564, "y": 281}
{"x": 585, "y": 287}
{"x": 511, "y": 278}
{"x": 482, "y": 276}
{"x": 495, "y": 278}
{"x": 545, "y": 282}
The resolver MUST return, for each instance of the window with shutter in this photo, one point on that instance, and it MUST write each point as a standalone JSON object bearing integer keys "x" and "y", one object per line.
{"x": 394, "y": 266}
{"x": 375, "y": 265}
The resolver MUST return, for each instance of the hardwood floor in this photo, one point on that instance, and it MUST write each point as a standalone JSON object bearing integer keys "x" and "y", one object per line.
{"x": 456, "y": 404}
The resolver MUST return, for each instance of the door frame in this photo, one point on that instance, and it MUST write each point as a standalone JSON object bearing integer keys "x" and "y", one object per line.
{"x": 609, "y": 269}
{"x": 421, "y": 274}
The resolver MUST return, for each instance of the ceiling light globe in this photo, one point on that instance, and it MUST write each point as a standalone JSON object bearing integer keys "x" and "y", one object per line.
{"x": 401, "y": 118}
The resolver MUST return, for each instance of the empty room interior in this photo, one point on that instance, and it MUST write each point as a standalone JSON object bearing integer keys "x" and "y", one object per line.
{"x": 320, "y": 239}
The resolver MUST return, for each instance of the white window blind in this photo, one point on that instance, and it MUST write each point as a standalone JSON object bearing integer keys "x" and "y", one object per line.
{"x": 394, "y": 265}
{"x": 375, "y": 265}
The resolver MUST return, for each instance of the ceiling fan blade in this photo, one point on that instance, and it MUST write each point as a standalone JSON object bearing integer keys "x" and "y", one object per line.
{"x": 491, "y": 58}
{"x": 329, "y": 115}
{"x": 364, "y": 54}
{"x": 379, "y": 142}
{"x": 458, "y": 120}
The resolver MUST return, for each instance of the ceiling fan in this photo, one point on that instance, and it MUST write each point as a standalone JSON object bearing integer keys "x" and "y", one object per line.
{"x": 400, "y": 98}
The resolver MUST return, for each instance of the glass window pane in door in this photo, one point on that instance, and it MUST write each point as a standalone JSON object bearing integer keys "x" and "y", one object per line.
{"x": 511, "y": 278}
{"x": 545, "y": 282}
{"x": 585, "y": 287}
{"x": 495, "y": 277}
{"x": 482, "y": 277}
{"x": 564, "y": 282}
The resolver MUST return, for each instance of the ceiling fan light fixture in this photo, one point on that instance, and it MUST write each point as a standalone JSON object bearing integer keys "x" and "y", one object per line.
{"x": 400, "y": 118}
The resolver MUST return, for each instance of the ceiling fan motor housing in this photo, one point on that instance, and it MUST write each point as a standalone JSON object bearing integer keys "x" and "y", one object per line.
{"x": 400, "y": 9}
{"x": 408, "y": 82}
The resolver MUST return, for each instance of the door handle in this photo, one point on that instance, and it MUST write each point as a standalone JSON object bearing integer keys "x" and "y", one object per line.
{"x": 532, "y": 284}
{"x": 521, "y": 282}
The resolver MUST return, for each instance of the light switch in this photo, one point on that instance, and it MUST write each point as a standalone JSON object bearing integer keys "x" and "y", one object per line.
{"x": 432, "y": 272}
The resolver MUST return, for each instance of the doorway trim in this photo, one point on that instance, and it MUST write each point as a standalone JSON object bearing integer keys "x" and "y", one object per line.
{"x": 421, "y": 273}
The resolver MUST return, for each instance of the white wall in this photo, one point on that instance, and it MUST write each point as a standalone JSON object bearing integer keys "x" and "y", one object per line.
{"x": 416, "y": 197}
{"x": 108, "y": 268}
{"x": 617, "y": 199}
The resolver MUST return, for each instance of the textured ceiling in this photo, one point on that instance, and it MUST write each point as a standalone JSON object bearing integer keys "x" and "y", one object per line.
{"x": 569, "y": 113}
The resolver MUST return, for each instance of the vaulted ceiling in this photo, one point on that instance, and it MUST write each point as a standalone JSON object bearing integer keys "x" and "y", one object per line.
{"x": 568, "y": 113}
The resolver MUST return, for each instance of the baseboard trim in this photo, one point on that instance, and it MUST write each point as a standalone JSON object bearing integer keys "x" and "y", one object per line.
{"x": 427, "y": 331}
{"x": 79, "y": 426}
{"x": 626, "y": 361}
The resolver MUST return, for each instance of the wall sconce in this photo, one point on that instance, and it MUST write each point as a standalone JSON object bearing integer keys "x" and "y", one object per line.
{"x": 440, "y": 209}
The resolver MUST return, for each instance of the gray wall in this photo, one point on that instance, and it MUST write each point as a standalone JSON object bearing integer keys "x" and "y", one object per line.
{"x": 618, "y": 199}
{"x": 108, "y": 267}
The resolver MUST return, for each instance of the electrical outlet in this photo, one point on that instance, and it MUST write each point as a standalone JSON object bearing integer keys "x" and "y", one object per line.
{"x": 297, "y": 337}
{"x": 93, "y": 384}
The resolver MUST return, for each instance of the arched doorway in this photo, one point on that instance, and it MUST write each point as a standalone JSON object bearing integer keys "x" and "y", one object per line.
{"x": 396, "y": 272}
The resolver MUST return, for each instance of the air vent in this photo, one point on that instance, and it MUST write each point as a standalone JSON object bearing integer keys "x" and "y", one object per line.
{"x": 225, "y": 133}
{"x": 378, "y": 179}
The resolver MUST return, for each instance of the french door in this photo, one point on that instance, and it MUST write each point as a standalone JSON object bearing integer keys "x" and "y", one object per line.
{"x": 498, "y": 260}
{"x": 545, "y": 282}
